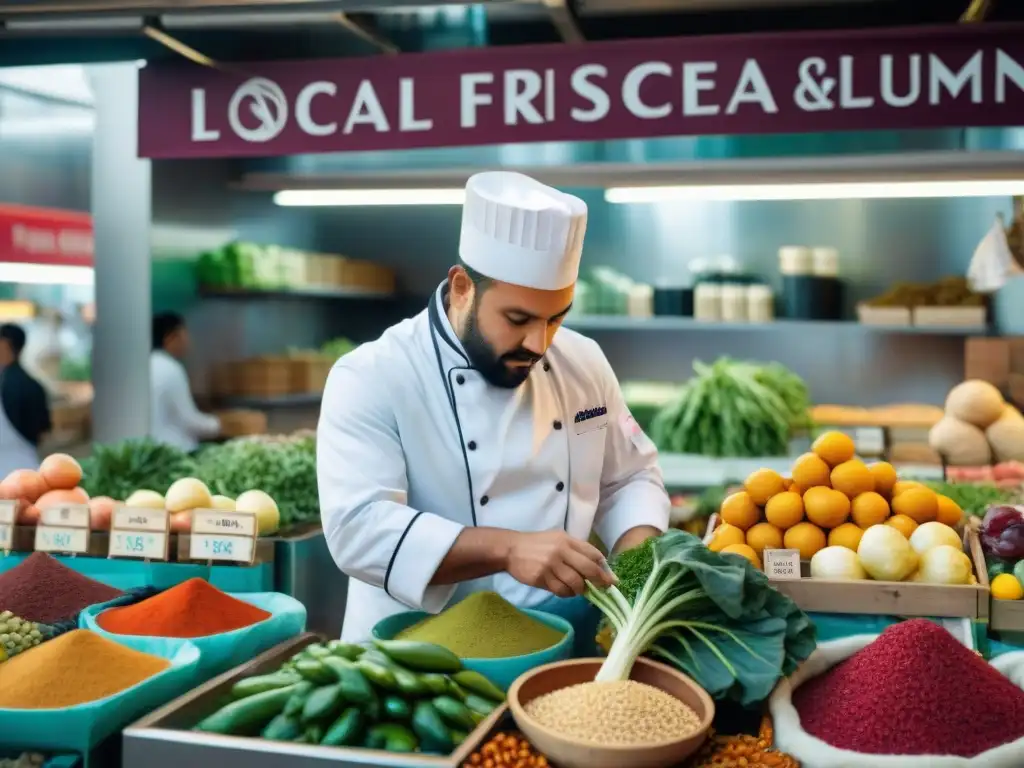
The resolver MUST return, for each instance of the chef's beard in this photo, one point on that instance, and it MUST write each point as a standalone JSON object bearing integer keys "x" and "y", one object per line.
{"x": 489, "y": 363}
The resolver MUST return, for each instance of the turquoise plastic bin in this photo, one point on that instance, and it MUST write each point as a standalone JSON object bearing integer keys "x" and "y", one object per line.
{"x": 219, "y": 653}
{"x": 80, "y": 729}
{"x": 501, "y": 672}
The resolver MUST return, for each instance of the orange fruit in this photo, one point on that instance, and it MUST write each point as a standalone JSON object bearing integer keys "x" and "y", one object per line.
{"x": 846, "y": 535}
{"x": 798, "y": 490}
{"x": 903, "y": 524}
{"x": 724, "y": 536}
{"x": 885, "y": 477}
{"x": 919, "y": 504}
{"x": 787, "y": 483}
{"x": 744, "y": 551}
{"x": 852, "y": 478}
{"x": 825, "y": 507}
{"x": 763, "y": 484}
{"x": 740, "y": 510}
{"x": 764, "y": 536}
{"x": 784, "y": 510}
{"x": 869, "y": 509}
{"x": 905, "y": 485}
{"x": 834, "y": 448}
{"x": 949, "y": 512}
{"x": 810, "y": 470}
{"x": 806, "y": 537}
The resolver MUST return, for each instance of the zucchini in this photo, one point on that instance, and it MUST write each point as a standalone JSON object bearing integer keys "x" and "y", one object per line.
{"x": 377, "y": 674}
{"x": 454, "y": 712}
{"x": 476, "y": 683}
{"x": 262, "y": 683}
{"x": 298, "y": 698}
{"x": 316, "y": 651}
{"x": 345, "y": 731}
{"x": 479, "y": 704}
{"x": 428, "y": 726}
{"x": 409, "y": 683}
{"x": 314, "y": 734}
{"x": 322, "y": 703}
{"x": 391, "y": 737}
{"x": 316, "y": 671}
{"x": 459, "y": 736}
{"x": 348, "y": 651}
{"x": 422, "y": 657}
{"x": 282, "y": 728}
{"x": 436, "y": 683}
{"x": 372, "y": 654}
{"x": 354, "y": 687}
{"x": 248, "y": 716}
{"x": 397, "y": 708}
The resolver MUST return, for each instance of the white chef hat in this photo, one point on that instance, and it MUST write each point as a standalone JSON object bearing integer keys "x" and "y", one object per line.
{"x": 519, "y": 231}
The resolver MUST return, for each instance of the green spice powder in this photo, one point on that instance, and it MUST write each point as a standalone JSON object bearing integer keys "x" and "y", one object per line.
{"x": 484, "y": 626}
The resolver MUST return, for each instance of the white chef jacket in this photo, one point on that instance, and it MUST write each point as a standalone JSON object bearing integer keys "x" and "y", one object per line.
{"x": 174, "y": 418}
{"x": 414, "y": 445}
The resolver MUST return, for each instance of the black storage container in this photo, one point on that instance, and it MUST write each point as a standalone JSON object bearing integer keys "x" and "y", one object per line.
{"x": 808, "y": 297}
{"x": 673, "y": 302}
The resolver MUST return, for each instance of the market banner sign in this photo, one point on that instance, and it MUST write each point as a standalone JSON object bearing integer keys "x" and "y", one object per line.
{"x": 45, "y": 236}
{"x": 956, "y": 76}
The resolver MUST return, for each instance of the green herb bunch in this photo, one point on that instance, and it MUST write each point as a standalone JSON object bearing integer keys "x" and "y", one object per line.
{"x": 120, "y": 469}
{"x": 734, "y": 408}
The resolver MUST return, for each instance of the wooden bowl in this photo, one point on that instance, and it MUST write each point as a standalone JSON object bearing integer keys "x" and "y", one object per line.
{"x": 570, "y": 753}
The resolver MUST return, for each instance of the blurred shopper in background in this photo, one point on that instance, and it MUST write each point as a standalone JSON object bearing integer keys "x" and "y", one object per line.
{"x": 174, "y": 418}
{"x": 24, "y": 410}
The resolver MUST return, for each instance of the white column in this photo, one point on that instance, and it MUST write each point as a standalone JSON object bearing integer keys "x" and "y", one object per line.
{"x": 121, "y": 209}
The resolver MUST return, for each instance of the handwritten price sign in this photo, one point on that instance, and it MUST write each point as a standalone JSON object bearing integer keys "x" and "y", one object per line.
{"x": 140, "y": 533}
{"x": 63, "y": 528}
{"x": 8, "y": 517}
{"x": 223, "y": 536}
{"x": 782, "y": 564}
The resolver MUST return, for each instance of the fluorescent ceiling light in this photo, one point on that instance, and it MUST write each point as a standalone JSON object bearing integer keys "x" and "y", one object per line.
{"x": 352, "y": 197}
{"x": 64, "y": 125}
{"x": 851, "y": 190}
{"x": 45, "y": 274}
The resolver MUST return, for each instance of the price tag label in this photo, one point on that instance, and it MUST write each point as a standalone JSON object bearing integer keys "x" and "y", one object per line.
{"x": 782, "y": 564}
{"x": 220, "y": 522}
{"x": 225, "y": 536}
{"x": 66, "y": 515}
{"x": 63, "y": 528}
{"x": 140, "y": 533}
{"x": 150, "y": 546}
{"x": 235, "y": 549}
{"x": 55, "y": 539}
{"x": 8, "y": 517}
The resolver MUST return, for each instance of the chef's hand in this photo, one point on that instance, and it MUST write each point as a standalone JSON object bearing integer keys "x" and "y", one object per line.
{"x": 555, "y": 561}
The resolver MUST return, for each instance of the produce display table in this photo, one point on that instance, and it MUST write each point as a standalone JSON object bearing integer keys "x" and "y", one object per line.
{"x": 305, "y": 570}
{"x": 128, "y": 574}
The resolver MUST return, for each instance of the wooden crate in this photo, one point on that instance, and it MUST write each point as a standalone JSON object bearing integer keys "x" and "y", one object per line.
{"x": 166, "y": 731}
{"x": 951, "y": 317}
{"x": 988, "y": 359}
{"x": 239, "y": 422}
{"x": 309, "y": 373}
{"x": 890, "y": 598}
{"x": 262, "y": 377}
{"x": 869, "y": 315}
{"x": 224, "y": 379}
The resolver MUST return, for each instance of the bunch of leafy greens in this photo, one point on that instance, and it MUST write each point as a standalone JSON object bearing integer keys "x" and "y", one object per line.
{"x": 120, "y": 469}
{"x": 284, "y": 468}
{"x": 712, "y": 616}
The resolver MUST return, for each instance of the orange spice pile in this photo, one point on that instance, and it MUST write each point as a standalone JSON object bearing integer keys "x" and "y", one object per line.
{"x": 742, "y": 751}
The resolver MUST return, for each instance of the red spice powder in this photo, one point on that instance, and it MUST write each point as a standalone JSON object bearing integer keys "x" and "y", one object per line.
{"x": 914, "y": 691}
{"x": 193, "y": 608}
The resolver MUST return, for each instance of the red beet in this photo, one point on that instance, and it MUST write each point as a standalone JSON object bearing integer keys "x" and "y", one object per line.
{"x": 914, "y": 691}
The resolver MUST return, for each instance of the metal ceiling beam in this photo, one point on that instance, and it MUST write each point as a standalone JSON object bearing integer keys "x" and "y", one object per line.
{"x": 920, "y": 166}
{"x": 564, "y": 19}
{"x": 631, "y": 7}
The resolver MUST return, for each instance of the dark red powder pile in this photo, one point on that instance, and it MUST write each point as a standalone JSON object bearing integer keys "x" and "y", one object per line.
{"x": 43, "y": 589}
{"x": 914, "y": 691}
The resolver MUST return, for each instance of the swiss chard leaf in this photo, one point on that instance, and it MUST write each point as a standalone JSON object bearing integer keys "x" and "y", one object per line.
{"x": 740, "y": 636}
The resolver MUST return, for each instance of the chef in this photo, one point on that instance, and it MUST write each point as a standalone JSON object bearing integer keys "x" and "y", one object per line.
{"x": 24, "y": 410}
{"x": 478, "y": 445}
{"x": 174, "y": 418}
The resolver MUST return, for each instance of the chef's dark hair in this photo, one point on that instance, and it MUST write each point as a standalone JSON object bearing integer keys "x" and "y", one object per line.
{"x": 14, "y": 335}
{"x": 164, "y": 324}
{"x": 480, "y": 282}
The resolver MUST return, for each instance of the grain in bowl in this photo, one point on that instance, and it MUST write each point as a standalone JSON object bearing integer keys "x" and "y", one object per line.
{"x": 614, "y": 714}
